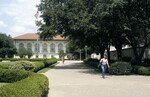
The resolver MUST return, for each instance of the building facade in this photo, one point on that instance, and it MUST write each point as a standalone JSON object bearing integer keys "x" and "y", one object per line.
{"x": 40, "y": 48}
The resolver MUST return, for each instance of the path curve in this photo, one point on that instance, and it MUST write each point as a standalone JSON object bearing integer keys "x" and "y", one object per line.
{"x": 73, "y": 79}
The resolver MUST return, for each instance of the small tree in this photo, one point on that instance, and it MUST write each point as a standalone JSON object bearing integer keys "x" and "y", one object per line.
{"x": 22, "y": 52}
{"x": 29, "y": 53}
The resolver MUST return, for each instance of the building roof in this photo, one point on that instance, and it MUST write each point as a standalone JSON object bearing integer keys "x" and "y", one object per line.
{"x": 35, "y": 36}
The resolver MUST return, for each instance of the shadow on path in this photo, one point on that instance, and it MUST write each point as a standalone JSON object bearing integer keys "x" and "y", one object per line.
{"x": 71, "y": 66}
{"x": 78, "y": 66}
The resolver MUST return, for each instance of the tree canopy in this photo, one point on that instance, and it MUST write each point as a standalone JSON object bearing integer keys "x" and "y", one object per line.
{"x": 98, "y": 23}
{"x": 7, "y": 48}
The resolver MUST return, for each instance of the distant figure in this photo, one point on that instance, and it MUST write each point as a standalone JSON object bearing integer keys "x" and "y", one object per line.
{"x": 63, "y": 60}
{"x": 104, "y": 62}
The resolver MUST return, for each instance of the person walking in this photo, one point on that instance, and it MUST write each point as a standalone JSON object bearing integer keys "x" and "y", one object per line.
{"x": 104, "y": 63}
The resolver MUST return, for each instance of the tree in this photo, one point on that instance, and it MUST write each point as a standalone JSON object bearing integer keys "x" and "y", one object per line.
{"x": 7, "y": 49}
{"x": 77, "y": 20}
{"x": 22, "y": 52}
{"x": 136, "y": 15}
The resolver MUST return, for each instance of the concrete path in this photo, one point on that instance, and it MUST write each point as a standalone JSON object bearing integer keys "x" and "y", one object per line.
{"x": 73, "y": 79}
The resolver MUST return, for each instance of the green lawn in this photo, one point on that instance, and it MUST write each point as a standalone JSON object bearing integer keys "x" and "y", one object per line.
{"x": 48, "y": 68}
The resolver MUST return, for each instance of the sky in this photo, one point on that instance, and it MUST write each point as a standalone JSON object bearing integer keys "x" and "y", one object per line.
{"x": 17, "y": 17}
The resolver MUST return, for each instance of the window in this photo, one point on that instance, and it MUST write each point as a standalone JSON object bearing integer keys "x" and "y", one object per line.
{"x": 37, "y": 47}
{"x": 29, "y": 46}
{"x": 21, "y": 45}
{"x": 44, "y": 47}
{"x": 60, "y": 47}
{"x": 52, "y": 48}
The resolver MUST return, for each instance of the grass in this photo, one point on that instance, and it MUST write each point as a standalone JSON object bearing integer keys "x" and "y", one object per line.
{"x": 48, "y": 68}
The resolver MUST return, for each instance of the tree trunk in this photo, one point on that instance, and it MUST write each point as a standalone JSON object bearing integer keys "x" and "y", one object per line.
{"x": 108, "y": 52}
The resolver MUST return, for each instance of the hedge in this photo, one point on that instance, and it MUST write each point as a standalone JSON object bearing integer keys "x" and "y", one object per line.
{"x": 27, "y": 65}
{"x": 5, "y": 65}
{"x": 24, "y": 59}
{"x": 33, "y": 86}
{"x": 92, "y": 62}
{"x": 24, "y": 65}
{"x": 141, "y": 70}
{"x": 120, "y": 68}
{"x": 49, "y": 62}
{"x": 38, "y": 66}
{"x": 7, "y": 75}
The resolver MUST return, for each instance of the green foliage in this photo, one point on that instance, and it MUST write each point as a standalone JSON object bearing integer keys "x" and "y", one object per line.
{"x": 135, "y": 69}
{"x": 92, "y": 62}
{"x": 143, "y": 70}
{"x": 120, "y": 68}
{"x": 5, "y": 65}
{"x": 99, "y": 23}
{"x": 50, "y": 62}
{"x": 7, "y": 75}
{"x": 24, "y": 65}
{"x": 23, "y": 59}
{"x": 61, "y": 54}
{"x": 23, "y": 52}
{"x": 38, "y": 66}
{"x": 33, "y": 86}
{"x": 7, "y": 48}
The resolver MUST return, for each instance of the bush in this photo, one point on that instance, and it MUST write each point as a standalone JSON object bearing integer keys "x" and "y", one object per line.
{"x": 135, "y": 69}
{"x": 23, "y": 59}
{"x": 92, "y": 62}
{"x": 7, "y": 75}
{"x": 38, "y": 66}
{"x": 49, "y": 62}
{"x": 33, "y": 86}
{"x": 24, "y": 65}
{"x": 120, "y": 68}
{"x": 5, "y": 65}
{"x": 143, "y": 70}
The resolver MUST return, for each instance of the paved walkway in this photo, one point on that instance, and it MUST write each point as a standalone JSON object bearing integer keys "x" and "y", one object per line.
{"x": 73, "y": 79}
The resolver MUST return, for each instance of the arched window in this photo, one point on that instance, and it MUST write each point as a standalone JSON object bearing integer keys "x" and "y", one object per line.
{"x": 52, "y": 48}
{"x": 29, "y": 46}
{"x": 21, "y": 45}
{"x": 60, "y": 47}
{"x": 44, "y": 47}
{"x": 37, "y": 47}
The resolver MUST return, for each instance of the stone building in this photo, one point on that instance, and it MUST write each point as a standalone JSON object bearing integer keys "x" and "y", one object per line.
{"x": 40, "y": 48}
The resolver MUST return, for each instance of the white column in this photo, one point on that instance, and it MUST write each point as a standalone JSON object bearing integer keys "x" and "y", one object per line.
{"x": 56, "y": 47}
{"x": 48, "y": 47}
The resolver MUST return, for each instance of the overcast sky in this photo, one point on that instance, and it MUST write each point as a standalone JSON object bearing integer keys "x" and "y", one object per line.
{"x": 17, "y": 16}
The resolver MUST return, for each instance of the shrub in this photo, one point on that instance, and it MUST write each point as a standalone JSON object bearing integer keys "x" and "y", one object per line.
{"x": 120, "y": 68}
{"x": 5, "y": 65}
{"x": 135, "y": 69}
{"x": 91, "y": 62}
{"x": 7, "y": 75}
{"x": 49, "y": 62}
{"x": 143, "y": 70}
{"x": 33, "y": 86}
{"x": 38, "y": 66}
{"x": 24, "y": 65}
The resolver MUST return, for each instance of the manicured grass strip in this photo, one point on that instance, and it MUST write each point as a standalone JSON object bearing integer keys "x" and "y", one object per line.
{"x": 48, "y": 68}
